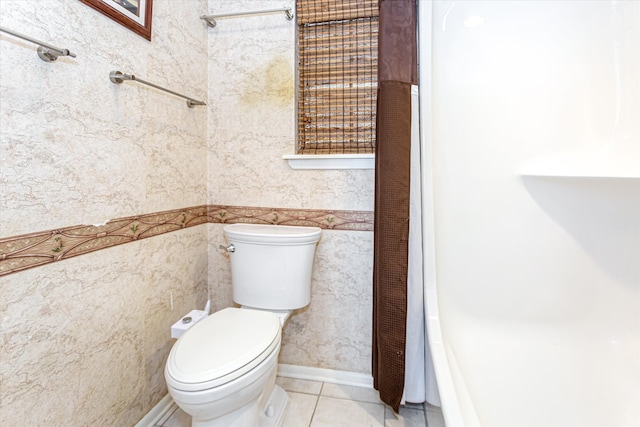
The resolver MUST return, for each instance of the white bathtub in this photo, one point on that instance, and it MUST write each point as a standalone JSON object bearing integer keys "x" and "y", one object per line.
{"x": 563, "y": 373}
{"x": 533, "y": 281}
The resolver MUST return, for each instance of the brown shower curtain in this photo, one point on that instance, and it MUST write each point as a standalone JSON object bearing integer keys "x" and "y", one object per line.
{"x": 397, "y": 71}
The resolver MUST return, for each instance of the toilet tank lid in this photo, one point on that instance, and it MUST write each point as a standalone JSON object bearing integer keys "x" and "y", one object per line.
{"x": 221, "y": 344}
{"x": 272, "y": 234}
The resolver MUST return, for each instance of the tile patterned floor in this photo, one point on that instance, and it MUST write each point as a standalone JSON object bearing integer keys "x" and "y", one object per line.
{"x": 317, "y": 404}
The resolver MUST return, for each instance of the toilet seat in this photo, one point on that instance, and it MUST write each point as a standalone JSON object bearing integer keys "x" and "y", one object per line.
{"x": 221, "y": 348}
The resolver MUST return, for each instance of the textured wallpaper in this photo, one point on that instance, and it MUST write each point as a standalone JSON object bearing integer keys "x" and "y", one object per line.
{"x": 252, "y": 119}
{"x": 78, "y": 149}
{"x": 252, "y": 123}
{"x": 85, "y": 340}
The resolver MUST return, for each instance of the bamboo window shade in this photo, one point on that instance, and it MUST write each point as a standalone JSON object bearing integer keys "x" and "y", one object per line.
{"x": 338, "y": 73}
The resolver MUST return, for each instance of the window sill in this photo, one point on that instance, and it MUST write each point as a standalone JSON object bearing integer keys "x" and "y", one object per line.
{"x": 330, "y": 161}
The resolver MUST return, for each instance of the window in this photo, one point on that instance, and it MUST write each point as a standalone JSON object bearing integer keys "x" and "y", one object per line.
{"x": 338, "y": 57}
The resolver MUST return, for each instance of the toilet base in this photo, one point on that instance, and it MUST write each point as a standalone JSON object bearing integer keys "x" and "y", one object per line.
{"x": 273, "y": 412}
{"x": 269, "y": 414}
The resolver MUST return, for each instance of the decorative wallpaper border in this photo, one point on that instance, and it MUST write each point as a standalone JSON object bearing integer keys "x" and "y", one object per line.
{"x": 333, "y": 220}
{"x": 26, "y": 251}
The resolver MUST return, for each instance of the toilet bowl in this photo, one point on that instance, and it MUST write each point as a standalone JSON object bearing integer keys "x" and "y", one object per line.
{"x": 222, "y": 370}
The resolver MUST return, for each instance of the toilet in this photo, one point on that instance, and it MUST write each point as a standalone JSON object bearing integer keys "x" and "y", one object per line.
{"x": 222, "y": 371}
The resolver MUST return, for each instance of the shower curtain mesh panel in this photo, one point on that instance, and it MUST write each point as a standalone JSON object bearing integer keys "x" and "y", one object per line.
{"x": 338, "y": 55}
{"x": 397, "y": 67}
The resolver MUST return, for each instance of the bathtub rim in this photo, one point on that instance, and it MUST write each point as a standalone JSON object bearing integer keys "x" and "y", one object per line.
{"x": 449, "y": 399}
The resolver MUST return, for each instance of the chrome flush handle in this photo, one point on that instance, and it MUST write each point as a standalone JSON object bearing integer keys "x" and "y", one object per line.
{"x": 229, "y": 248}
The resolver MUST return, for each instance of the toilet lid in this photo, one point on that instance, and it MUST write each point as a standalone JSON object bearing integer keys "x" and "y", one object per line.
{"x": 222, "y": 347}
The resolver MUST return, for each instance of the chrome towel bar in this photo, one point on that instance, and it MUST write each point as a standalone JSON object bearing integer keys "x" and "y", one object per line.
{"x": 118, "y": 77}
{"x": 46, "y": 52}
{"x": 211, "y": 19}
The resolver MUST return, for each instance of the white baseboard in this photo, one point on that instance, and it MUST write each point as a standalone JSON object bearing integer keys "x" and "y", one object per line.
{"x": 325, "y": 375}
{"x": 157, "y": 412}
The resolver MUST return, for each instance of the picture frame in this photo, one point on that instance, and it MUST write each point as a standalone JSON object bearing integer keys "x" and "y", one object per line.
{"x": 133, "y": 14}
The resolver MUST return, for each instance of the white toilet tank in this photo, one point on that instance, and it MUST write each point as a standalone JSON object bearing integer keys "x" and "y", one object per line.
{"x": 271, "y": 264}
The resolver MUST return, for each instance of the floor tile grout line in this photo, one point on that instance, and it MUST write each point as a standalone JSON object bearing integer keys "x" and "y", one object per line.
{"x": 315, "y": 407}
{"x": 308, "y": 393}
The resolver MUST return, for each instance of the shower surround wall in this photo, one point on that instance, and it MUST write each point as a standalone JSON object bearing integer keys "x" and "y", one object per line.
{"x": 84, "y": 340}
{"x": 252, "y": 123}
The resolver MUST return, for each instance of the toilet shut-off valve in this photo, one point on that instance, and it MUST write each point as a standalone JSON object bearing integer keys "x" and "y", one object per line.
{"x": 229, "y": 248}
